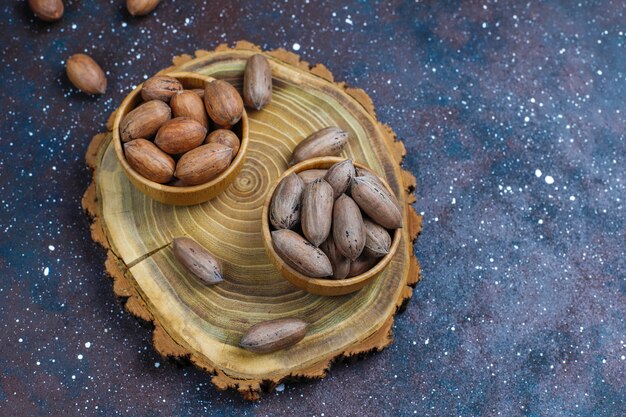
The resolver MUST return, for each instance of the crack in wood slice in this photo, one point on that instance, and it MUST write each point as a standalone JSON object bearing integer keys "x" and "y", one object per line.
{"x": 203, "y": 325}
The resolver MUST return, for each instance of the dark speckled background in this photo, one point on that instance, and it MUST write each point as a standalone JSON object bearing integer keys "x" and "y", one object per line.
{"x": 513, "y": 118}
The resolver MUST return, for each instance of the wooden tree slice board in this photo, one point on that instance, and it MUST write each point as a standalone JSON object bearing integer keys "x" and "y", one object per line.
{"x": 204, "y": 324}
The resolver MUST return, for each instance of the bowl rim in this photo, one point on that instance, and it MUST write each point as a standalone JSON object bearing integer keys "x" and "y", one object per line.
{"x": 119, "y": 151}
{"x": 314, "y": 163}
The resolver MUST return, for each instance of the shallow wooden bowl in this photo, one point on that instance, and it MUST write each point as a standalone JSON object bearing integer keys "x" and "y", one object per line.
{"x": 321, "y": 286}
{"x": 180, "y": 196}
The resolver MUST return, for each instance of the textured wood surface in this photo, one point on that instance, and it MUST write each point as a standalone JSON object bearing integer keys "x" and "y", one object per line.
{"x": 204, "y": 324}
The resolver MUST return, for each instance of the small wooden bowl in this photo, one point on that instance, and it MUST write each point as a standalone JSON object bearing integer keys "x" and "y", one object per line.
{"x": 321, "y": 286}
{"x": 180, "y": 196}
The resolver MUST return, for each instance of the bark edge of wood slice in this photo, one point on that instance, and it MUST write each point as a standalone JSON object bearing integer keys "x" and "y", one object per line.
{"x": 200, "y": 328}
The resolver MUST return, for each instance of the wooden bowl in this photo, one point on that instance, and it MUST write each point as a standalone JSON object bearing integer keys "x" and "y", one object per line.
{"x": 180, "y": 196}
{"x": 321, "y": 286}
